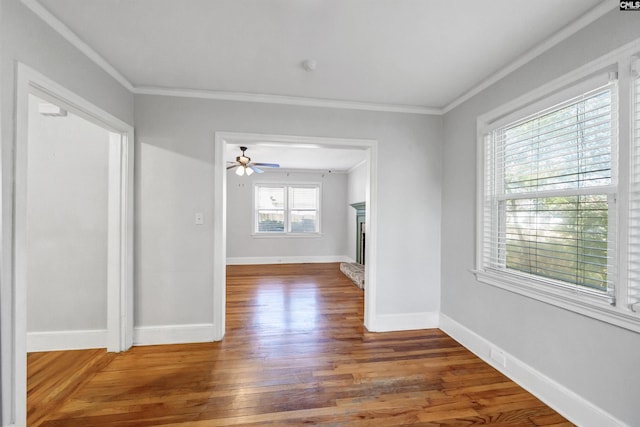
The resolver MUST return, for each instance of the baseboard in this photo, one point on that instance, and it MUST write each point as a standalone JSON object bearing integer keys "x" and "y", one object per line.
{"x": 566, "y": 402}
{"x": 404, "y": 322}
{"x": 287, "y": 259}
{"x": 173, "y": 334}
{"x": 66, "y": 340}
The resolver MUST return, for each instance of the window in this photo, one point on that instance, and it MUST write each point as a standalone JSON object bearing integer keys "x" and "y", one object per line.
{"x": 634, "y": 190}
{"x": 559, "y": 200}
{"x": 282, "y": 209}
{"x": 550, "y": 203}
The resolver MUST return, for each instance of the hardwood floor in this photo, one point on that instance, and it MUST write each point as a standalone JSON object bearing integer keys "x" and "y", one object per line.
{"x": 295, "y": 353}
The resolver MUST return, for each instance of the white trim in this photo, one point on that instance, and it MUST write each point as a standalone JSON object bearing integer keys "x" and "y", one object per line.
{"x": 597, "y": 80}
{"x": 371, "y": 225}
{"x": 222, "y": 139}
{"x": 220, "y": 237}
{"x": 114, "y": 223}
{"x": 101, "y": 62}
{"x": 284, "y": 235}
{"x": 619, "y": 315}
{"x": 577, "y": 302}
{"x": 286, "y": 187}
{"x": 174, "y": 334}
{"x": 7, "y": 331}
{"x": 591, "y": 16}
{"x": 565, "y": 81}
{"x": 285, "y": 100}
{"x": 75, "y": 41}
{"x": 309, "y": 171}
{"x": 354, "y": 167}
{"x": 287, "y": 259}
{"x": 404, "y": 321}
{"x": 120, "y": 232}
{"x": 66, "y": 340}
{"x": 566, "y": 32}
{"x": 569, "y": 404}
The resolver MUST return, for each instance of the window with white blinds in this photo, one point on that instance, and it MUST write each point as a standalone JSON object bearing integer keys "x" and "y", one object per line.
{"x": 286, "y": 208}
{"x": 303, "y": 209}
{"x": 559, "y": 192}
{"x": 634, "y": 193}
{"x": 270, "y": 209}
{"x": 550, "y": 194}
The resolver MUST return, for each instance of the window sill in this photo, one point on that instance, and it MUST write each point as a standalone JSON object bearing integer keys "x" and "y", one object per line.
{"x": 286, "y": 235}
{"x": 585, "y": 304}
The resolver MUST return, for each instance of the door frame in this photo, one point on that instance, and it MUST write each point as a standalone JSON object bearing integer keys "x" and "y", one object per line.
{"x": 222, "y": 139}
{"x": 119, "y": 218}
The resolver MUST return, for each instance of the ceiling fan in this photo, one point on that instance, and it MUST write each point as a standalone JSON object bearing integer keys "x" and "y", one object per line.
{"x": 243, "y": 164}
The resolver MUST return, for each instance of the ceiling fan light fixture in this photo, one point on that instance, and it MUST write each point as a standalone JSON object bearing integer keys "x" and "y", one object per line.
{"x": 243, "y": 165}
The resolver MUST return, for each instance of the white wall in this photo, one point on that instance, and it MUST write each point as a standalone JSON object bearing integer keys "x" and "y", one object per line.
{"x": 66, "y": 223}
{"x": 332, "y": 242}
{"x": 357, "y": 186}
{"x": 596, "y": 360}
{"x": 25, "y": 38}
{"x": 175, "y": 166}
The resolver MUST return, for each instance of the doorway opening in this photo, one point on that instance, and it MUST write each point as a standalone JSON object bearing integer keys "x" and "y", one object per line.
{"x": 119, "y": 224}
{"x": 66, "y": 229}
{"x": 222, "y": 140}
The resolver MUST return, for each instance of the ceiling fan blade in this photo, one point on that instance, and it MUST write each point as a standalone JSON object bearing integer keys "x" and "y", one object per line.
{"x": 232, "y": 166}
{"x": 255, "y": 169}
{"x": 267, "y": 165}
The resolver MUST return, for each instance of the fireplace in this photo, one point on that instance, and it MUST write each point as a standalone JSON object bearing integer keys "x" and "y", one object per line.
{"x": 361, "y": 231}
{"x": 362, "y": 242}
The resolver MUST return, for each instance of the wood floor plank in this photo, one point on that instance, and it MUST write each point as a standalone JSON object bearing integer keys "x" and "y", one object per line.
{"x": 295, "y": 353}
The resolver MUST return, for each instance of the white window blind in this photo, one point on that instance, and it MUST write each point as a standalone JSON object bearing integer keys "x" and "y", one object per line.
{"x": 270, "y": 209}
{"x": 549, "y": 195}
{"x": 303, "y": 209}
{"x": 634, "y": 196}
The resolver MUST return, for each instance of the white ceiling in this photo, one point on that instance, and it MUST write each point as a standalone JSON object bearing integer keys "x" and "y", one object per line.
{"x": 401, "y": 52}
{"x": 425, "y": 55}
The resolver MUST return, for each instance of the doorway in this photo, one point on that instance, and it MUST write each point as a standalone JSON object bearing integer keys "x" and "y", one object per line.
{"x": 66, "y": 229}
{"x": 119, "y": 234}
{"x": 222, "y": 139}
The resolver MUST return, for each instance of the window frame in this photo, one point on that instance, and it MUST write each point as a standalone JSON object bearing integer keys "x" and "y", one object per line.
{"x": 287, "y": 210}
{"x": 616, "y": 310}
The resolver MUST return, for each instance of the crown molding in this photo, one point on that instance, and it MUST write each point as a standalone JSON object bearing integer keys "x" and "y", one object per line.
{"x": 77, "y": 42}
{"x": 356, "y": 166}
{"x": 586, "y": 19}
{"x": 594, "y": 14}
{"x": 72, "y": 38}
{"x": 284, "y": 100}
{"x": 327, "y": 171}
